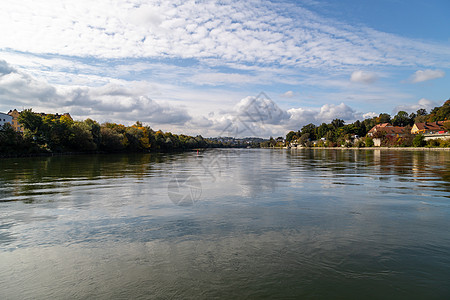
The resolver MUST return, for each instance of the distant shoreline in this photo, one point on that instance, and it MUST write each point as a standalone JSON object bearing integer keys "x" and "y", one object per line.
{"x": 50, "y": 154}
{"x": 187, "y": 150}
{"x": 367, "y": 148}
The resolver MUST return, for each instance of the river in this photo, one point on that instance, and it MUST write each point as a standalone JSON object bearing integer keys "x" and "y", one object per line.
{"x": 244, "y": 224}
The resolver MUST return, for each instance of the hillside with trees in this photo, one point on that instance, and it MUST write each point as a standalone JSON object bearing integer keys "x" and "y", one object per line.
{"x": 337, "y": 133}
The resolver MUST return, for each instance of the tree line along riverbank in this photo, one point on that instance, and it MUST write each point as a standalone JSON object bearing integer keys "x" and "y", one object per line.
{"x": 51, "y": 134}
{"x": 382, "y": 130}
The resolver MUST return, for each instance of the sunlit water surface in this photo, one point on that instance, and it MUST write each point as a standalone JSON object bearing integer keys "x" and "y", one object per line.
{"x": 348, "y": 224}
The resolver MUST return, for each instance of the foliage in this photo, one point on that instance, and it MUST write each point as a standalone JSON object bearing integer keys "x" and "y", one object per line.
{"x": 11, "y": 141}
{"x": 447, "y": 126}
{"x": 292, "y": 136}
{"x": 360, "y": 143}
{"x": 304, "y": 139}
{"x": 369, "y": 142}
{"x": 52, "y": 133}
{"x": 30, "y": 121}
{"x": 111, "y": 140}
{"x": 337, "y": 132}
{"x": 310, "y": 130}
{"x": 403, "y": 119}
{"x": 418, "y": 141}
{"x": 433, "y": 143}
{"x": 445, "y": 143}
{"x": 81, "y": 137}
{"x": 337, "y": 123}
{"x": 440, "y": 113}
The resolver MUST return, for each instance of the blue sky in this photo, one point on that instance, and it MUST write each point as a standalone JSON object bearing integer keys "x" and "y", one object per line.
{"x": 196, "y": 66}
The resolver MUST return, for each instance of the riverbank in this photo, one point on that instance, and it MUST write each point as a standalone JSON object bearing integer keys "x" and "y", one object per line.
{"x": 43, "y": 154}
{"x": 48, "y": 154}
{"x": 374, "y": 148}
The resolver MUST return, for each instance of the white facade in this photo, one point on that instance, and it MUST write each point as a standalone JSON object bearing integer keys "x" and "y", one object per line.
{"x": 4, "y": 118}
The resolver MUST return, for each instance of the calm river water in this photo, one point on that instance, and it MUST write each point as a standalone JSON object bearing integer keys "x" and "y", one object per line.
{"x": 347, "y": 224}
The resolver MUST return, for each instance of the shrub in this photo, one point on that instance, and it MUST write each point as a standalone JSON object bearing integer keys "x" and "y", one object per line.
{"x": 434, "y": 143}
{"x": 111, "y": 139}
{"x": 419, "y": 141}
{"x": 369, "y": 142}
{"x": 81, "y": 138}
{"x": 360, "y": 143}
{"x": 445, "y": 143}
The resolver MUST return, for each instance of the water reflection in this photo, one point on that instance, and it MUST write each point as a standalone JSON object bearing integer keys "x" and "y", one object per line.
{"x": 269, "y": 223}
{"x": 23, "y": 178}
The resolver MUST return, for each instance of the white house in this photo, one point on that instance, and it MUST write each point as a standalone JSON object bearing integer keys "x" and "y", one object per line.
{"x": 4, "y": 118}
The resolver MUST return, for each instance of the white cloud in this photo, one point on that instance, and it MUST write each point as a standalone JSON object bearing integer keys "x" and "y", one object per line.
{"x": 422, "y": 103}
{"x": 424, "y": 75}
{"x": 260, "y": 109}
{"x": 208, "y": 78}
{"x": 325, "y": 114}
{"x": 363, "y": 77}
{"x": 5, "y": 68}
{"x": 259, "y": 116}
{"x": 301, "y": 116}
{"x": 251, "y": 116}
{"x": 200, "y": 56}
{"x": 105, "y": 103}
{"x": 255, "y": 32}
{"x": 288, "y": 94}
{"x": 369, "y": 115}
{"x": 328, "y": 112}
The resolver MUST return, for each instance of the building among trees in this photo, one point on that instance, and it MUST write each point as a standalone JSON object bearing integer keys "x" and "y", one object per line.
{"x": 15, "y": 124}
{"x": 437, "y": 127}
{"x": 18, "y": 127}
{"x": 387, "y": 129}
{"x": 5, "y": 118}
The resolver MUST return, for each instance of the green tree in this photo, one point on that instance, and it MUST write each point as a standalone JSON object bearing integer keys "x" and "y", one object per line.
{"x": 421, "y": 112}
{"x": 418, "y": 141}
{"x": 383, "y": 118}
{"x": 12, "y": 141}
{"x": 358, "y": 128}
{"x": 322, "y": 130}
{"x": 54, "y": 134}
{"x": 421, "y": 119}
{"x": 94, "y": 128}
{"x": 337, "y": 123}
{"x": 30, "y": 121}
{"x": 81, "y": 138}
{"x": 111, "y": 140}
{"x": 401, "y": 119}
{"x": 440, "y": 113}
{"x": 304, "y": 139}
{"x": 291, "y": 136}
{"x": 369, "y": 142}
{"x": 331, "y": 136}
{"x": 134, "y": 136}
{"x": 310, "y": 129}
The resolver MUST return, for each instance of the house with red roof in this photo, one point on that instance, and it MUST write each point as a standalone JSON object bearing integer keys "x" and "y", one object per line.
{"x": 387, "y": 129}
{"x": 429, "y": 128}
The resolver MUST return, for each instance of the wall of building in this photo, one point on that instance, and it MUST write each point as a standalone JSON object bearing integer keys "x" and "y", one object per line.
{"x": 5, "y": 118}
{"x": 377, "y": 142}
{"x": 443, "y": 136}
